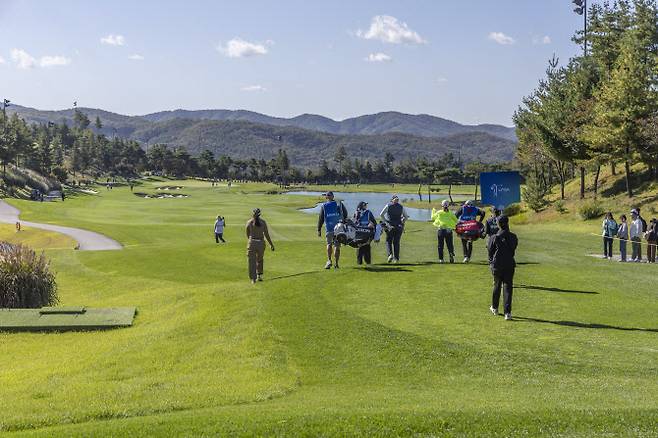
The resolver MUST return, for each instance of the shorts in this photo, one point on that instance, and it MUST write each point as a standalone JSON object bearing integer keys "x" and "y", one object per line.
{"x": 331, "y": 239}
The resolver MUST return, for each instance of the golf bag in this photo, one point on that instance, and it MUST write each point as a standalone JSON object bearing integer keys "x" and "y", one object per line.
{"x": 348, "y": 233}
{"x": 470, "y": 230}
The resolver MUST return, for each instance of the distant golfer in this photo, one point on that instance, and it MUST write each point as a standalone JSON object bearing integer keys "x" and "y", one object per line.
{"x": 502, "y": 248}
{"x": 220, "y": 223}
{"x": 469, "y": 212}
{"x": 446, "y": 221}
{"x": 257, "y": 233}
{"x": 394, "y": 216}
{"x": 363, "y": 217}
{"x": 331, "y": 213}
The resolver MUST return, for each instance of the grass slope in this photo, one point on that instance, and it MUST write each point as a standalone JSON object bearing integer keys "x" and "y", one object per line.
{"x": 387, "y": 350}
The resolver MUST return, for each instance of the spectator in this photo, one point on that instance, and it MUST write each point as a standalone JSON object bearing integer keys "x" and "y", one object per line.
{"x": 220, "y": 223}
{"x": 652, "y": 240}
{"x": 502, "y": 249}
{"x": 491, "y": 224}
{"x": 622, "y": 233}
{"x": 635, "y": 232}
{"x": 609, "y": 232}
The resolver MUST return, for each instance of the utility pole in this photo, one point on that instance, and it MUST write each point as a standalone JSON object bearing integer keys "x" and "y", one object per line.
{"x": 581, "y": 9}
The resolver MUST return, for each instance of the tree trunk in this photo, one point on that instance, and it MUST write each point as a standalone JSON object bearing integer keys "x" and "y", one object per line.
{"x": 596, "y": 181}
{"x": 450, "y": 192}
{"x": 613, "y": 168}
{"x": 629, "y": 189}
{"x": 582, "y": 182}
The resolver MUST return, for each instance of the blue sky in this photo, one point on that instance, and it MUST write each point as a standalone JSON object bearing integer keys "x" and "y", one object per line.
{"x": 470, "y": 61}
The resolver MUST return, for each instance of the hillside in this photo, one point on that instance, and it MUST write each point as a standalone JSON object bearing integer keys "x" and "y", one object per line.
{"x": 306, "y": 147}
{"x": 245, "y": 134}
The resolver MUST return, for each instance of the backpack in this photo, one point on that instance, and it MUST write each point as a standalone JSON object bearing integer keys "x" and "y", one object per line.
{"x": 644, "y": 224}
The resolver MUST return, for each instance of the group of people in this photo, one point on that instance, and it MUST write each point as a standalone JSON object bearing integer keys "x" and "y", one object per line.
{"x": 633, "y": 231}
{"x": 501, "y": 243}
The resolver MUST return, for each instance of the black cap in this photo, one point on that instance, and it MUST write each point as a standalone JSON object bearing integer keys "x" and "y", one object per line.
{"x": 503, "y": 221}
{"x": 329, "y": 194}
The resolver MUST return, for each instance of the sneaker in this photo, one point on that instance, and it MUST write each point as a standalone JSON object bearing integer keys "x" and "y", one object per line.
{"x": 336, "y": 266}
{"x": 494, "y": 312}
{"x": 260, "y": 277}
{"x": 466, "y": 259}
{"x": 441, "y": 261}
{"x": 620, "y": 260}
{"x": 452, "y": 259}
{"x": 508, "y": 317}
{"x": 328, "y": 265}
{"x": 396, "y": 261}
{"x": 391, "y": 258}
{"x": 253, "y": 281}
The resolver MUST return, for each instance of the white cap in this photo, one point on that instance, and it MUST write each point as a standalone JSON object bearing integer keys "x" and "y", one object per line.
{"x": 445, "y": 203}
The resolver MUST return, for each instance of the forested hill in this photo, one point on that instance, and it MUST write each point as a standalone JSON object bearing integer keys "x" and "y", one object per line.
{"x": 367, "y": 137}
{"x": 305, "y": 147}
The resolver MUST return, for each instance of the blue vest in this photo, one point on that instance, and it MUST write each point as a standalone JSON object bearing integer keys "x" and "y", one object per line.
{"x": 395, "y": 214}
{"x": 364, "y": 219}
{"x": 332, "y": 215}
{"x": 469, "y": 213}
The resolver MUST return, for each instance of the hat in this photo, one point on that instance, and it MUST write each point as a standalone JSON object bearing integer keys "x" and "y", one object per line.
{"x": 634, "y": 211}
{"x": 503, "y": 221}
{"x": 469, "y": 202}
{"x": 362, "y": 205}
{"x": 329, "y": 193}
{"x": 445, "y": 203}
{"x": 394, "y": 197}
{"x": 256, "y": 212}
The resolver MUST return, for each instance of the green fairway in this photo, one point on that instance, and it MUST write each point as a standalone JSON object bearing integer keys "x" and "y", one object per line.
{"x": 385, "y": 350}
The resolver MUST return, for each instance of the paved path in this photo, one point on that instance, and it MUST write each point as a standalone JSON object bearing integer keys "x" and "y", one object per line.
{"x": 87, "y": 240}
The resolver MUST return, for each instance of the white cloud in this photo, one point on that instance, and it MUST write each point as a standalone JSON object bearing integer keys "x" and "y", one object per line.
{"x": 501, "y": 38}
{"x": 136, "y": 57}
{"x": 389, "y": 30}
{"x": 53, "y": 61}
{"x": 541, "y": 40}
{"x": 113, "y": 40}
{"x": 254, "y": 88}
{"x": 239, "y": 48}
{"x": 23, "y": 59}
{"x": 378, "y": 57}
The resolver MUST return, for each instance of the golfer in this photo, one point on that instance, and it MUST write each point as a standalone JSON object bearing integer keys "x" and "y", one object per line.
{"x": 331, "y": 213}
{"x": 364, "y": 218}
{"x": 446, "y": 221}
{"x": 219, "y": 229}
{"x": 469, "y": 212}
{"x": 257, "y": 232}
{"x": 502, "y": 248}
{"x": 394, "y": 216}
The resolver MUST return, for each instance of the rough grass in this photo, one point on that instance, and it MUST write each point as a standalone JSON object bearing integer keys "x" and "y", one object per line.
{"x": 35, "y": 238}
{"x": 391, "y": 350}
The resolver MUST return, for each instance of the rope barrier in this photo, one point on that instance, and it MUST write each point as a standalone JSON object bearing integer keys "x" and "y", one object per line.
{"x": 627, "y": 240}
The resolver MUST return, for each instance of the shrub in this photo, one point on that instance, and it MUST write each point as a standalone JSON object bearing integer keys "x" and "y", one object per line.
{"x": 590, "y": 210}
{"x": 26, "y": 280}
{"x": 560, "y": 207}
{"x": 535, "y": 193}
{"x": 512, "y": 210}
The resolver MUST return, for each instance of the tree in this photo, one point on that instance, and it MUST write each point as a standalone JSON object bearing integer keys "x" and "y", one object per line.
{"x": 340, "y": 157}
{"x": 98, "y": 124}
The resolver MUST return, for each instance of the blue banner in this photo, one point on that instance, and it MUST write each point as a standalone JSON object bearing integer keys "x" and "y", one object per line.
{"x": 500, "y": 189}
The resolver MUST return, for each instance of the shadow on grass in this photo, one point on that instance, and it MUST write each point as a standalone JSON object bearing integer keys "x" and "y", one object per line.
{"x": 586, "y": 325}
{"x": 554, "y": 289}
{"x": 385, "y": 268}
{"x": 299, "y": 274}
{"x": 407, "y": 264}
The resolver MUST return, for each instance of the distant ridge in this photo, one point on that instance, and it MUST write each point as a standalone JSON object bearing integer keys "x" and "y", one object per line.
{"x": 308, "y": 138}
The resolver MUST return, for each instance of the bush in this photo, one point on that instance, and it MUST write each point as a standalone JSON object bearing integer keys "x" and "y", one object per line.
{"x": 512, "y": 210}
{"x": 535, "y": 193}
{"x": 590, "y": 210}
{"x": 560, "y": 207}
{"x": 26, "y": 280}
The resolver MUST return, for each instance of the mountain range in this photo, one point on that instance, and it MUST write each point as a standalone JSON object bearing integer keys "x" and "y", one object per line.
{"x": 307, "y": 138}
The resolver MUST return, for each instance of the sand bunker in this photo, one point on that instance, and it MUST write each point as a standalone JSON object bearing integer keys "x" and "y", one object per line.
{"x": 169, "y": 188}
{"x": 161, "y": 195}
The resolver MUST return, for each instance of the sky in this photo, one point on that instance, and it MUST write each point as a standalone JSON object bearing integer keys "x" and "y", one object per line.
{"x": 468, "y": 61}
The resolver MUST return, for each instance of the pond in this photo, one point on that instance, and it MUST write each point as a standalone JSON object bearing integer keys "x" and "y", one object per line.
{"x": 377, "y": 201}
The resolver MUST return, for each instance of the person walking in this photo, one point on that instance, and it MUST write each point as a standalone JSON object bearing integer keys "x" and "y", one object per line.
{"x": 652, "y": 240}
{"x": 491, "y": 225}
{"x": 364, "y": 218}
{"x": 331, "y": 213}
{"x": 502, "y": 249}
{"x": 257, "y": 233}
{"x": 446, "y": 221}
{"x": 635, "y": 232}
{"x": 469, "y": 212}
{"x": 220, "y": 223}
{"x": 609, "y": 231}
{"x": 622, "y": 233}
{"x": 394, "y": 215}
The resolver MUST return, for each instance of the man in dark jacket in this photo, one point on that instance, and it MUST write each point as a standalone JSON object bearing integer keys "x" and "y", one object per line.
{"x": 502, "y": 248}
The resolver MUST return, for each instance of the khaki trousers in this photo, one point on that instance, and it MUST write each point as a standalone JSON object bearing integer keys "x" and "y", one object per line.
{"x": 255, "y": 253}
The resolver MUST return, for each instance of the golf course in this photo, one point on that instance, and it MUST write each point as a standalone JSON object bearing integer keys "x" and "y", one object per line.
{"x": 381, "y": 350}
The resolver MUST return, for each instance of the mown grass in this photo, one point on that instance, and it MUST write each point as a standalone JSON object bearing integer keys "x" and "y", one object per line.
{"x": 390, "y": 350}
{"x": 35, "y": 238}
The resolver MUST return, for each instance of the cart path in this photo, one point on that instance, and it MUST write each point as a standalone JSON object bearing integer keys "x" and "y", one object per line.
{"x": 87, "y": 240}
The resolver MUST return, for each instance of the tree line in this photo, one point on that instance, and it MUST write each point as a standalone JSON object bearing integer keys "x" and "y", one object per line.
{"x": 601, "y": 108}
{"x": 80, "y": 151}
